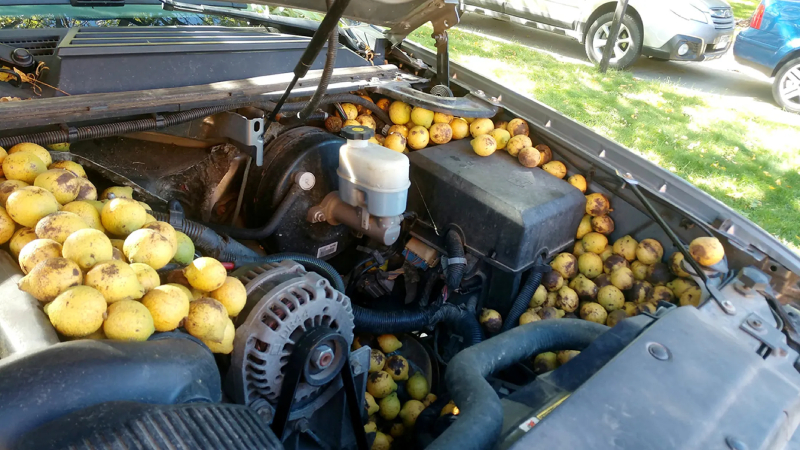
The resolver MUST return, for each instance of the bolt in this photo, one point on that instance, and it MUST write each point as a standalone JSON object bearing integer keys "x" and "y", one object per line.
{"x": 728, "y": 307}
{"x": 755, "y": 323}
{"x": 322, "y": 356}
{"x": 305, "y": 180}
{"x": 319, "y": 216}
{"x": 658, "y": 351}
{"x": 302, "y": 425}
{"x": 357, "y": 369}
{"x": 735, "y": 444}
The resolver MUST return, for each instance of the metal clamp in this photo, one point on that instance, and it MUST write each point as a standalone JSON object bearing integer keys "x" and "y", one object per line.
{"x": 447, "y": 261}
{"x": 770, "y": 336}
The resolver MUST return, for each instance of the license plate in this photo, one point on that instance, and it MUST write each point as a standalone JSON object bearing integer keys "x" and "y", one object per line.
{"x": 723, "y": 42}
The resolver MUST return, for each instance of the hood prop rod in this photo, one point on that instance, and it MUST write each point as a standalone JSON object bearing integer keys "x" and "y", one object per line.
{"x": 725, "y": 305}
{"x": 310, "y": 54}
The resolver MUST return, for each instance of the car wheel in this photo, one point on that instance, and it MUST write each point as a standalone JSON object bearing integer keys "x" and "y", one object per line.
{"x": 629, "y": 41}
{"x": 786, "y": 87}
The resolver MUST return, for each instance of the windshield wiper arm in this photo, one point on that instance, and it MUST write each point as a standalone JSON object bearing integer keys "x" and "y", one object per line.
{"x": 310, "y": 26}
{"x": 170, "y": 5}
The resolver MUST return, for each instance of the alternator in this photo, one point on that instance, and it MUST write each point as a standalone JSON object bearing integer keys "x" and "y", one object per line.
{"x": 283, "y": 303}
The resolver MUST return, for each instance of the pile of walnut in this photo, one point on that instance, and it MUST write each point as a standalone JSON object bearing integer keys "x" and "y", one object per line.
{"x": 92, "y": 260}
{"x": 414, "y": 128}
{"x": 606, "y": 283}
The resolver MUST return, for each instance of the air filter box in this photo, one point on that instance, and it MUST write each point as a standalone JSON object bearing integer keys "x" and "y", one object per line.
{"x": 509, "y": 214}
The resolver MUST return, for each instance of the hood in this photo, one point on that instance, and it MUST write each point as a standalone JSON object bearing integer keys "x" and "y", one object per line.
{"x": 400, "y": 16}
{"x": 709, "y": 4}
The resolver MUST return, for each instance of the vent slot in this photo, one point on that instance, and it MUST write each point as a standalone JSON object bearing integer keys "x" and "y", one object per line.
{"x": 45, "y": 46}
{"x": 723, "y": 18}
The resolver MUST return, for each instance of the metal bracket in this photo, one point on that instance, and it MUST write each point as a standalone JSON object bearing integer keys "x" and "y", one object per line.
{"x": 246, "y": 132}
{"x": 442, "y": 56}
{"x": 770, "y": 336}
{"x": 442, "y": 14}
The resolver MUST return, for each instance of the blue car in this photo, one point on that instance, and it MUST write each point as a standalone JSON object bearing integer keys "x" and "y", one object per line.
{"x": 772, "y": 45}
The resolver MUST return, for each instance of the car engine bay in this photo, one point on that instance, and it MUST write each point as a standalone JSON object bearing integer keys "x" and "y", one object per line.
{"x": 400, "y": 280}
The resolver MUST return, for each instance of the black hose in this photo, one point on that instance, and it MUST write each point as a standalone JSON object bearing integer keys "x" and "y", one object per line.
{"x": 383, "y": 322}
{"x": 327, "y": 71}
{"x": 328, "y": 24}
{"x": 309, "y": 262}
{"x": 463, "y": 320}
{"x": 428, "y": 288}
{"x": 208, "y": 241}
{"x": 269, "y": 227}
{"x": 344, "y": 98}
{"x": 481, "y": 418}
{"x": 523, "y": 300}
{"x": 455, "y": 249}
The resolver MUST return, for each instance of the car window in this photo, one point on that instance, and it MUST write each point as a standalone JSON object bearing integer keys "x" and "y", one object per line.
{"x": 65, "y": 16}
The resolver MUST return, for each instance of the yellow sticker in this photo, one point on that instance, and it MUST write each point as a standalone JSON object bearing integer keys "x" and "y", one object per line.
{"x": 531, "y": 422}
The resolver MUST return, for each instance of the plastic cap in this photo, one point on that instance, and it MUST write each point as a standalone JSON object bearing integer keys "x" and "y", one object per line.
{"x": 357, "y": 133}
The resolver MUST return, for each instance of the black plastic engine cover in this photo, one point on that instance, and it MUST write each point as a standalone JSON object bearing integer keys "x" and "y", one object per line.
{"x": 509, "y": 214}
{"x": 129, "y": 425}
{"x": 41, "y": 386}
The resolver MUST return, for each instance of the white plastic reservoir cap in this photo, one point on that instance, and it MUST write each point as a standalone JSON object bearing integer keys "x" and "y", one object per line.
{"x": 374, "y": 167}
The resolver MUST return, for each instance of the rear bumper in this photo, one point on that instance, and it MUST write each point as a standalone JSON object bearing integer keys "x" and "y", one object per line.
{"x": 748, "y": 52}
{"x": 699, "y": 49}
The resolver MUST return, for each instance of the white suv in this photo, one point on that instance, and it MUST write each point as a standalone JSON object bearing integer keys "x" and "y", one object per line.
{"x": 681, "y": 30}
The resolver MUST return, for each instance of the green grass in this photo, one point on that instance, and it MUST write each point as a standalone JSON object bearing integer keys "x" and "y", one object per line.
{"x": 743, "y": 9}
{"x": 749, "y": 161}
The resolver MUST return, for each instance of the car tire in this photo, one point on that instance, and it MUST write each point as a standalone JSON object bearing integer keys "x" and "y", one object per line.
{"x": 629, "y": 42}
{"x": 786, "y": 86}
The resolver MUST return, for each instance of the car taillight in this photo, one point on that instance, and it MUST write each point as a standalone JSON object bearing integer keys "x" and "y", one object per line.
{"x": 755, "y": 21}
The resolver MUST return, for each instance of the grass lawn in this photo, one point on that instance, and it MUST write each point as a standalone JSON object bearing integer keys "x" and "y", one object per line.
{"x": 746, "y": 160}
{"x": 743, "y": 9}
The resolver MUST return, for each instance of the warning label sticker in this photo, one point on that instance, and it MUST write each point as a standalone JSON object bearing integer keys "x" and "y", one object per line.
{"x": 531, "y": 422}
{"x": 327, "y": 250}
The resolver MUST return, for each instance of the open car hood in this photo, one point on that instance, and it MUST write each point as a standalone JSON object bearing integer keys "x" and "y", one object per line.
{"x": 400, "y": 16}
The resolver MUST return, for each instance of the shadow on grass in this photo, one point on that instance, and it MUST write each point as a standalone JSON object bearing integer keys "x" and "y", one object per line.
{"x": 705, "y": 144}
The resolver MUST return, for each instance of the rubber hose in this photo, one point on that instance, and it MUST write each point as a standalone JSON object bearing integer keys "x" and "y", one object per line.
{"x": 428, "y": 288}
{"x": 272, "y": 224}
{"x": 455, "y": 249}
{"x": 309, "y": 262}
{"x": 327, "y": 71}
{"x": 383, "y": 322}
{"x": 344, "y": 98}
{"x": 209, "y": 242}
{"x": 481, "y": 418}
{"x": 463, "y": 320}
{"x": 523, "y": 299}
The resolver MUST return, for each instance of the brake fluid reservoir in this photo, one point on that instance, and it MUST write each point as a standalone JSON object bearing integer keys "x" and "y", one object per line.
{"x": 372, "y": 176}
